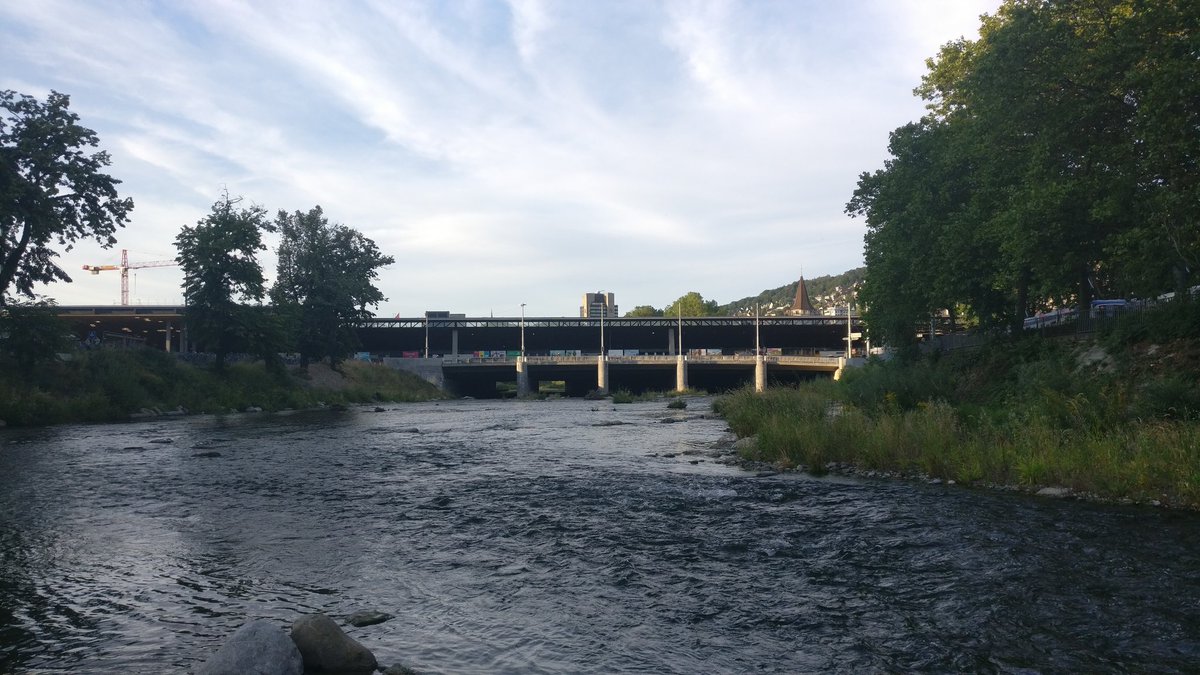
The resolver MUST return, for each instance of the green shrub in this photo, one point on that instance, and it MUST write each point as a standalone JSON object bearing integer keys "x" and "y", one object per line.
{"x": 1019, "y": 412}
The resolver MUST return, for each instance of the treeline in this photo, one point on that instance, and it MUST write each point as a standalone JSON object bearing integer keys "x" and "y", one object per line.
{"x": 53, "y": 191}
{"x": 1059, "y": 162}
{"x": 323, "y": 283}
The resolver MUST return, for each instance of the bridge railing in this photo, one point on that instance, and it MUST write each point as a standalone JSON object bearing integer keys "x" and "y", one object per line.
{"x": 647, "y": 359}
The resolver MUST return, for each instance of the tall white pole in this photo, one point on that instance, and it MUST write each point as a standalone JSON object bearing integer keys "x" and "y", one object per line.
{"x": 426, "y": 334}
{"x": 757, "y": 342}
{"x": 522, "y": 330}
{"x": 849, "y": 331}
{"x": 602, "y": 312}
{"x": 680, "y": 308}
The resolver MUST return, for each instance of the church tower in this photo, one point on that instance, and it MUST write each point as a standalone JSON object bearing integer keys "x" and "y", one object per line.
{"x": 802, "y": 305}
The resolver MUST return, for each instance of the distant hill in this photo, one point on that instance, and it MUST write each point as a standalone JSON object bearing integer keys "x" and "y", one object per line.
{"x": 825, "y": 292}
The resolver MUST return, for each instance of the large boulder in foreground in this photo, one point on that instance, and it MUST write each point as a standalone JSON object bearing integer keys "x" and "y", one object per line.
{"x": 327, "y": 649}
{"x": 257, "y": 648}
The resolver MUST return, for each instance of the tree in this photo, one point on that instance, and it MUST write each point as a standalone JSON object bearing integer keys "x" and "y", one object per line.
{"x": 220, "y": 270}
{"x": 325, "y": 283}
{"x": 31, "y": 334}
{"x": 643, "y": 310}
{"x": 691, "y": 304}
{"x": 51, "y": 190}
{"x": 1059, "y": 160}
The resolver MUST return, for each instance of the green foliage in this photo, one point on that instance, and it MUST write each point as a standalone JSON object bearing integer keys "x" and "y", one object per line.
{"x": 220, "y": 266}
{"x": 107, "y": 386}
{"x": 622, "y": 396}
{"x": 1175, "y": 320}
{"x": 325, "y": 282}
{"x": 1057, "y": 161}
{"x": 818, "y": 288}
{"x": 643, "y": 310}
{"x": 626, "y": 396}
{"x": 1024, "y": 411}
{"x": 692, "y": 304}
{"x": 31, "y": 335}
{"x": 51, "y": 190}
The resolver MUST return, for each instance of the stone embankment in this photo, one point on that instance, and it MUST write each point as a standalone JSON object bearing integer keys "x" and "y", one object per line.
{"x": 316, "y": 644}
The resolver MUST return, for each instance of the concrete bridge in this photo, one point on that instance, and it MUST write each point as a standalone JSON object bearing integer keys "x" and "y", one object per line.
{"x": 478, "y": 377}
{"x": 471, "y": 354}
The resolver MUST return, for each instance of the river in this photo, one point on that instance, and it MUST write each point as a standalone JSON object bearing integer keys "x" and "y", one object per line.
{"x": 563, "y": 536}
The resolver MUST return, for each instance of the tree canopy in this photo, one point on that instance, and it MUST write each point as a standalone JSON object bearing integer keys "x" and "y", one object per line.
{"x": 1059, "y": 160}
{"x": 642, "y": 311}
{"x": 325, "y": 282}
{"x": 691, "y": 304}
{"x": 52, "y": 191}
{"x": 219, "y": 259}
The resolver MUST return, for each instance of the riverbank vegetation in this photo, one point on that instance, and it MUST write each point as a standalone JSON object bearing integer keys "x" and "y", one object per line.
{"x": 1117, "y": 416}
{"x": 110, "y": 386}
{"x": 1056, "y": 164}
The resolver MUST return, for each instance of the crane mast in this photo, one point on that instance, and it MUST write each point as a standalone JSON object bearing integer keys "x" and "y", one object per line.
{"x": 125, "y": 266}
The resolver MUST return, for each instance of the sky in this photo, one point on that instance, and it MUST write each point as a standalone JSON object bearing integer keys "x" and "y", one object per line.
{"x": 503, "y": 152}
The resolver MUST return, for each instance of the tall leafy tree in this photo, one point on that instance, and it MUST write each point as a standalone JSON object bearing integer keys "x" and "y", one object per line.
{"x": 1059, "y": 160}
{"x": 692, "y": 304}
{"x": 52, "y": 191}
{"x": 219, "y": 258}
{"x": 325, "y": 282}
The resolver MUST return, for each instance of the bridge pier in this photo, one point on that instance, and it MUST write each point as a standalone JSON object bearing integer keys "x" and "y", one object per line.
{"x": 681, "y": 373}
{"x": 523, "y": 388}
{"x": 602, "y": 374}
{"x": 670, "y": 342}
{"x": 760, "y": 374}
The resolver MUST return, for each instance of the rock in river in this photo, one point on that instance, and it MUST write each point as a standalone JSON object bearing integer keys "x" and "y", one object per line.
{"x": 326, "y": 648}
{"x": 257, "y": 648}
{"x": 367, "y": 617}
{"x": 1057, "y": 492}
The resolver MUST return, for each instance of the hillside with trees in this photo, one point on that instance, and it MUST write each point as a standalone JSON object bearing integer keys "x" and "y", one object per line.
{"x": 828, "y": 291}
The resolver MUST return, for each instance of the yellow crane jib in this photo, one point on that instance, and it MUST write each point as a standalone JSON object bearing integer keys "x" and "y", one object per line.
{"x": 125, "y": 266}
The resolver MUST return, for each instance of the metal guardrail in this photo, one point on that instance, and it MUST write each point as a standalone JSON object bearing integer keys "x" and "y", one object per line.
{"x": 648, "y": 359}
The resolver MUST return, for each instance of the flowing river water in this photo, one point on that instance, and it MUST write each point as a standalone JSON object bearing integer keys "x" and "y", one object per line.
{"x": 560, "y": 537}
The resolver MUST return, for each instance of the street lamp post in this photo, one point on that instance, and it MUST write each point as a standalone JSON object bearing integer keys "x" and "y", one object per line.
{"x": 757, "y": 341}
{"x": 680, "y": 308}
{"x": 849, "y": 331}
{"x": 522, "y": 330}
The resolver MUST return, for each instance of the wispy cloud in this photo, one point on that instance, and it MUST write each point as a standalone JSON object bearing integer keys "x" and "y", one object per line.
{"x": 503, "y": 152}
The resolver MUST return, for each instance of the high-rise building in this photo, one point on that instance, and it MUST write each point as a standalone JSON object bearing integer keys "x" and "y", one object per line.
{"x": 597, "y": 305}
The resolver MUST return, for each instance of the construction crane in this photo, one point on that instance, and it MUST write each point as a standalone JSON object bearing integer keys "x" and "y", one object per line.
{"x": 125, "y": 266}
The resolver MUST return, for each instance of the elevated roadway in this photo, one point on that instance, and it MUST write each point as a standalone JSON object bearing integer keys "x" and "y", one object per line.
{"x": 472, "y": 354}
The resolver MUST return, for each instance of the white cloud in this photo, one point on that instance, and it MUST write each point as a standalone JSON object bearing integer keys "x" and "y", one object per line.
{"x": 503, "y": 152}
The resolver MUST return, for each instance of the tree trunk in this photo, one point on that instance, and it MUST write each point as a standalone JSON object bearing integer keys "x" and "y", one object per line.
{"x": 1022, "y": 308}
{"x": 10, "y": 263}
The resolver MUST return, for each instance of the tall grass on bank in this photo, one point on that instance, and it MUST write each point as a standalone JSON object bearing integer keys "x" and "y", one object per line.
{"x": 802, "y": 427}
{"x": 1119, "y": 417}
{"x": 107, "y": 386}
